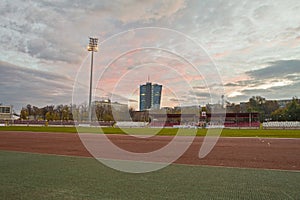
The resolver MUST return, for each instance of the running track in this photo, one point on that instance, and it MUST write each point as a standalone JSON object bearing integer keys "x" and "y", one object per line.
{"x": 283, "y": 154}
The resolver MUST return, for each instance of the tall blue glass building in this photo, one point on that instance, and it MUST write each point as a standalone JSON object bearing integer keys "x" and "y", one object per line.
{"x": 150, "y": 96}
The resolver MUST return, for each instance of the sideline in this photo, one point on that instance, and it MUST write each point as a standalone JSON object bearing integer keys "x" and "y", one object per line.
{"x": 178, "y": 164}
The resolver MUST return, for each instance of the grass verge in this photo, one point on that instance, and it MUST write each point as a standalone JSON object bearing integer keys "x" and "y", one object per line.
{"x": 37, "y": 176}
{"x": 158, "y": 131}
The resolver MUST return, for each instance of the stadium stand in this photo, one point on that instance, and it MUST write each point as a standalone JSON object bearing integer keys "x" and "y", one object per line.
{"x": 281, "y": 125}
{"x": 130, "y": 124}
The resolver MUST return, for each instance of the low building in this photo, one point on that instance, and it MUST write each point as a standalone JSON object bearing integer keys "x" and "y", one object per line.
{"x": 5, "y": 112}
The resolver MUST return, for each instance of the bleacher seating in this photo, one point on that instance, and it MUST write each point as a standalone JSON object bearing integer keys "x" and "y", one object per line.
{"x": 163, "y": 124}
{"x": 241, "y": 124}
{"x": 281, "y": 125}
{"x": 130, "y": 124}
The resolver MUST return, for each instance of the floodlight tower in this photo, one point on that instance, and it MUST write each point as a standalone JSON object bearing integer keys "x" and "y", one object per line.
{"x": 93, "y": 47}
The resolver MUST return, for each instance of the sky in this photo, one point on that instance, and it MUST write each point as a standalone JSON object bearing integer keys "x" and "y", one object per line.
{"x": 198, "y": 50}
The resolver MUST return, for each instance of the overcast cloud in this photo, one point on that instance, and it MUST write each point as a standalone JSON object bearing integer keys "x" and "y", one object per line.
{"x": 254, "y": 44}
{"x": 24, "y": 86}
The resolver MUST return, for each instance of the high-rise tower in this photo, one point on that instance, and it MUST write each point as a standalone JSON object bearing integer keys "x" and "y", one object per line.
{"x": 150, "y": 96}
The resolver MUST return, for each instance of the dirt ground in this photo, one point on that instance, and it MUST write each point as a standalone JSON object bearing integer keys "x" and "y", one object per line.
{"x": 231, "y": 152}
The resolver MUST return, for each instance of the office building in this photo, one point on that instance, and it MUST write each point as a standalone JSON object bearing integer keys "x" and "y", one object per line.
{"x": 150, "y": 96}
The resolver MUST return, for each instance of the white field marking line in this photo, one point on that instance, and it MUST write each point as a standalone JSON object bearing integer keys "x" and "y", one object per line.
{"x": 180, "y": 164}
{"x": 214, "y": 166}
{"x": 286, "y": 194}
{"x": 147, "y": 162}
{"x": 46, "y": 154}
{"x": 126, "y": 135}
{"x": 185, "y": 136}
{"x": 248, "y": 168}
{"x": 255, "y": 137}
{"x": 133, "y": 136}
{"x": 39, "y": 132}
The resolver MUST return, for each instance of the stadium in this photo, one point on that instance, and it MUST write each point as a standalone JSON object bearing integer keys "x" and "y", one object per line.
{"x": 172, "y": 99}
{"x": 60, "y": 159}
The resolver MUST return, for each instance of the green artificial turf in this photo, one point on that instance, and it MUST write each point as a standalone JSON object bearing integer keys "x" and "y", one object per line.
{"x": 260, "y": 133}
{"x": 158, "y": 131}
{"x": 39, "y": 129}
{"x": 37, "y": 176}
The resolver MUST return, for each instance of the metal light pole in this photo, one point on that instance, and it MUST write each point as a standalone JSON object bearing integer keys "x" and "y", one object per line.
{"x": 93, "y": 47}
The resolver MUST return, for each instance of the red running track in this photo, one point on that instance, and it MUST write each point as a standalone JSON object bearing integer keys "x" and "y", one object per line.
{"x": 264, "y": 153}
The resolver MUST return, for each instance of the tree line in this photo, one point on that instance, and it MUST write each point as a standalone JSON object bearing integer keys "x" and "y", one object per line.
{"x": 289, "y": 113}
{"x": 100, "y": 111}
{"x": 49, "y": 113}
{"x": 269, "y": 110}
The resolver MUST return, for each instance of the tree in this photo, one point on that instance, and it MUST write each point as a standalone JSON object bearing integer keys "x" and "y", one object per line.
{"x": 75, "y": 111}
{"x": 29, "y": 109}
{"x": 279, "y": 115}
{"x": 256, "y": 104}
{"x": 293, "y": 110}
{"x": 56, "y": 116}
{"x": 131, "y": 112}
{"x": 49, "y": 116}
{"x": 264, "y": 107}
{"x": 65, "y": 113}
{"x": 232, "y": 107}
{"x": 269, "y": 107}
{"x": 99, "y": 112}
{"x": 35, "y": 112}
{"x": 24, "y": 113}
{"x": 84, "y": 111}
{"x": 44, "y": 111}
{"x": 108, "y": 117}
{"x": 59, "y": 110}
{"x": 290, "y": 113}
{"x": 71, "y": 107}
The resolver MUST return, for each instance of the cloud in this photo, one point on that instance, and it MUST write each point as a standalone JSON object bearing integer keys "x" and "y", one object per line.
{"x": 279, "y": 79}
{"x": 273, "y": 93}
{"x": 20, "y": 86}
{"x": 133, "y": 11}
{"x": 254, "y": 44}
{"x": 200, "y": 94}
{"x": 177, "y": 100}
{"x": 277, "y": 69}
{"x": 58, "y": 31}
{"x": 231, "y": 84}
{"x": 199, "y": 87}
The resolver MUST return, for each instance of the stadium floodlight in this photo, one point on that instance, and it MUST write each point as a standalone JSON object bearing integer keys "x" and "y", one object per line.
{"x": 93, "y": 47}
{"x": 93, "y": 44}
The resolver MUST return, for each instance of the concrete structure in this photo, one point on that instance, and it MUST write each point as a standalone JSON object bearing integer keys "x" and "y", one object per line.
{"x": 150, "y": 96}
{"x": 281, "y": 125}
{"x": 5, "y": 112}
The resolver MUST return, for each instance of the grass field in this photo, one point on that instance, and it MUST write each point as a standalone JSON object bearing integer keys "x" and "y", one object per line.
{"x": 37, "y": 176}
{"x": 164, "y": 131}
{"x": 41, "y": 176}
